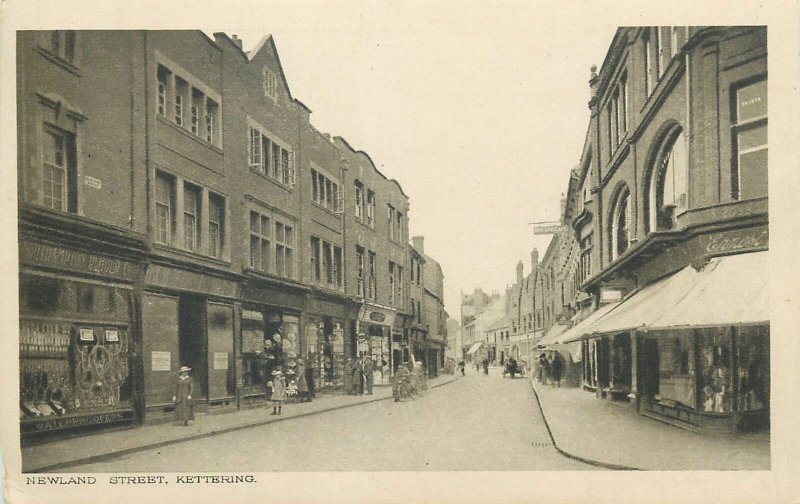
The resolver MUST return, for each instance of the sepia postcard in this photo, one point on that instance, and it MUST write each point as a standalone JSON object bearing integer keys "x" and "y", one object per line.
{"x": 405, "y": 251}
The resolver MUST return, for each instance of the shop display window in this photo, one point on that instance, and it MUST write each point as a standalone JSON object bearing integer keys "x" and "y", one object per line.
{"x": 676, "y": 369}
{"x": 715, "y": 367}
{"x": 752, "y": 355}
{"x": 73, "y": 347}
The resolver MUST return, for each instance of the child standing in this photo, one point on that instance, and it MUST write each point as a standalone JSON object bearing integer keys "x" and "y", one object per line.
{"x": 278, "y": 391}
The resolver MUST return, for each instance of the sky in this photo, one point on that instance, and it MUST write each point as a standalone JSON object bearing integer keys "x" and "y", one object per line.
{"x": 480, "y": 113}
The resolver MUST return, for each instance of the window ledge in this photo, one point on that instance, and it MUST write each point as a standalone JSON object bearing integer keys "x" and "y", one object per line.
{"x": 58, "y": 60}
{"x": 338, "y": 215}
{"x": 364, "y": 223}
{"x": 285, "y": 187}
{"x": 193, "y": 255}
{"x": 267, "y": 274}
{"x": 189, "y": 134}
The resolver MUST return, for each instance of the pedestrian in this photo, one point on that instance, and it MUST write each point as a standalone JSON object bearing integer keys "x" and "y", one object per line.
{"x": 540, "y": 367}
{"x": 556, "y": 367}
{"x": 369, "y": 373}
{"x": 486, "y": 365}
{"x": 512, "y": 367}
{"x": 477, "y": 366}
{"x": 184, "y": 406}
{"x": 310, "y": 380}
{"x": 349, "y": 386}
{"x": 302, "y": 384}
{"x": 400, "y": 383}
{"x": 278, "y": 391}
{"x": 461, "y": 366}
{"x": 358, "y": 377}
{"x": 545, "y": 370}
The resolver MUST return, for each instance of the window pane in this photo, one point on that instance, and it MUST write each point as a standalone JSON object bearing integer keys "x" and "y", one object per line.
{"x": 265, "y": 260}
{"x": 750, "y": 138}
{"x": 753, "y": 174}
{"x": 254, "y": 222}
{"x": 254, "y": 252}
{"x": 751, "y": 101}
{"x": 265, "y": 231}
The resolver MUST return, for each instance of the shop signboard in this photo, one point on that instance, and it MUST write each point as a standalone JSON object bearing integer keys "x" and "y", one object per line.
{"x": 160, "y": 361}
{"x": 112, "y": 336}
{"x": 86, "y": 335}
{"x": 74, "y": 421}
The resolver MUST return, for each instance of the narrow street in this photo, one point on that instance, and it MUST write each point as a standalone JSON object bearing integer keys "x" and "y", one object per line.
{"x": 478, "y": 423}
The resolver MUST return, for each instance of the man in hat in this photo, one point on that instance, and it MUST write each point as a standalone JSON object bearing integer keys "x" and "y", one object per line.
{"x": 184, "y": 407}
{"x": 278, "y": 391}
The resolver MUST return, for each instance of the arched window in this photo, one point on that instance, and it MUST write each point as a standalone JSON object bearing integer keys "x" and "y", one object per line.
{"x": 621, "y": 224}
{"x": 668, "y": 193}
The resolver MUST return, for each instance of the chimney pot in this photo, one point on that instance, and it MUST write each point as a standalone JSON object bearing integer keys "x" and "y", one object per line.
{"x": 237, "y": 41}
{"x": 419, "y": 243}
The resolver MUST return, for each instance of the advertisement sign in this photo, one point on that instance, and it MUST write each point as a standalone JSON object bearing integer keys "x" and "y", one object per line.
{"x": 548, "y": 228}
{"x": 220, "y": 360}
{"x": 160, "y": 361}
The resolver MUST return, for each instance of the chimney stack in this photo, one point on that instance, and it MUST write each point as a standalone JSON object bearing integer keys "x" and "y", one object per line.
{"x": 534, "y": 259}
{"x": 237, "y": 41}
{"x": 419, "y": 243}
{"x": 519, "y": 273}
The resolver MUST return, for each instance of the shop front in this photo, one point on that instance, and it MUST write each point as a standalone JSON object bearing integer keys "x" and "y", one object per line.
{"x": 270, "y": 337}
{"x": 188, "y": 319}
{"x": 76, "y": 341}
{"x": 379, "y": 338}
{"x": 691, "y": 349}
{"x": 327, "y": 341}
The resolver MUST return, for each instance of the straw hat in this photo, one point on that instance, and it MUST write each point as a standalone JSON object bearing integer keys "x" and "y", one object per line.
{"x": 185, "y": 369}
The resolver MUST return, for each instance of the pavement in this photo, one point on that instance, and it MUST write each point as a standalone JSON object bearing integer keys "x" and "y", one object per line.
{"x": 613, "y": 435}
{"x": 57, "y": 455}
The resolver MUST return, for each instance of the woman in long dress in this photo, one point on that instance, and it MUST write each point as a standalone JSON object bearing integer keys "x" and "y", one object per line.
{"x": 184, "y": 406}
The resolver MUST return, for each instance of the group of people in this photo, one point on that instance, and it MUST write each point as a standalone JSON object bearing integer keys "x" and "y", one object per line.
{"x": 409, "y": 380}
{"x": 359, "y": 375}
{"x": 550, "y": 369}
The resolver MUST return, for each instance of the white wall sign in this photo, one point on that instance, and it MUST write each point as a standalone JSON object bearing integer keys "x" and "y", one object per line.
{"x": 93, "y": 182}
{"x": 220, "y": 360}
{"x": 160, "y": 361}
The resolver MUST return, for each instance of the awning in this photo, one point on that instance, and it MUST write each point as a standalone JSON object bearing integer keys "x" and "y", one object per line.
{"x": 729, "y": 290}
{"x": 475, "y": 347}
{"x": 576, "y": 332}
{"x": 555, "y": 331}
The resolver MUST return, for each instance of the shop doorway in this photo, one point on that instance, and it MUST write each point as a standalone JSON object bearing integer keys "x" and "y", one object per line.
{"x": 621, "y": 363}
{"x": 192, "y": 343}
{"x": 649, "y": 365}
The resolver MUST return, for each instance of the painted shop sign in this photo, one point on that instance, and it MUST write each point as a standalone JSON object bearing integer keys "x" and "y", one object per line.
{"x": 39, "y": 254}
{"x": 54, "y": 424}
{"x": 720, "y": 243}
{"x": 377, "y": 316}
{"x": 189, "y": 280}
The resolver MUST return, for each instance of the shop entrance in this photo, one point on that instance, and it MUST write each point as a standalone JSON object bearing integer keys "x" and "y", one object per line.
{"x": 192, "y": 344}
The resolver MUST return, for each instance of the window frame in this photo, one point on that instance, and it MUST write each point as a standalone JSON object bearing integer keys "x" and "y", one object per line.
{"x": 741, "y": 126}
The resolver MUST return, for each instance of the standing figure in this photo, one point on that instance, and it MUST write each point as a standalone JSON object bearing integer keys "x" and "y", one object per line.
{"x": 312, "y": 391}
{"x": 184, "y": 406}
{"x": 302, "y": 384}
{"x": 400, "y": 383}
{"x": 349, "y": 386}
{"x": 545, "y": 363}
{"x": 278, "y": 391}
{"x": 358, "y": 378}
{"x": 369, "y": 374}
{"x": 486, "y": 365}
{"x": 461, "y": 366}
{"x": 556, "y": 367}
{"x": 477, "y": 365}
{"x": 512, "y": 367}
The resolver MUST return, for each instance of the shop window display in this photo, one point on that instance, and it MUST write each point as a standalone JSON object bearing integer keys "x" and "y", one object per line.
{"x": 676, "y": 384}
{"x": 74, "y": 348}
{"x": 715, "y": 362}
{"x": 752, "y": 355}
{"x": 325, "y": 350}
